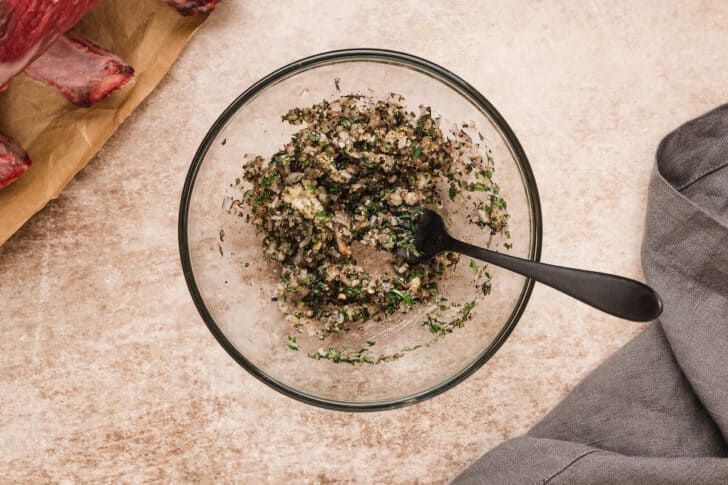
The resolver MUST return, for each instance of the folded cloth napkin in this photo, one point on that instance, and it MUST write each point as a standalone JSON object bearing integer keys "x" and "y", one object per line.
{"x": 657, "y": 410}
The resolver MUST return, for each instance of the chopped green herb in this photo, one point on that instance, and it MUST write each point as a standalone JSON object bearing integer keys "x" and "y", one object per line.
{"x": 403, "y": 296}
{"x": 452, "y": 193}
{"x": 355, "y": 174}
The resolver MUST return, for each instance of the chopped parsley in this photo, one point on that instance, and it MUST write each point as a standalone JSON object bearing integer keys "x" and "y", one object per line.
{"x": 355, "y": 174}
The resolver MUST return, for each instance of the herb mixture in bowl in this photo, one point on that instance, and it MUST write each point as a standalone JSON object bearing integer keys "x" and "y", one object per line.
{"x": 350, "y": 181}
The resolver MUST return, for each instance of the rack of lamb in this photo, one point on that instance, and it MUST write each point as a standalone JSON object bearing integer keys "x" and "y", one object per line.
{"x": 37, "y": 37}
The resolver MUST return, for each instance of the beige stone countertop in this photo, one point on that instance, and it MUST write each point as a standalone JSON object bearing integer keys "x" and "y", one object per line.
{"x": 107, "y": 372}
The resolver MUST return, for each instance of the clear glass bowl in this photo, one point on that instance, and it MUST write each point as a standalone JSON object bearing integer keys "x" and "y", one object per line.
{"x": 231, "y": 284}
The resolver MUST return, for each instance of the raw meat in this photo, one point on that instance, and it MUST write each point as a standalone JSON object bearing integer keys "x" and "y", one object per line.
{"x": 193, "y": 7}
{"x": 81, "y": 70}
{"x": 28, "y": 27}
{"x": 13, "y": 161}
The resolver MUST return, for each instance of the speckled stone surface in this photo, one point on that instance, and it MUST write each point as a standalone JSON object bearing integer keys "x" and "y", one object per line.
{"x": 106, "y": 370}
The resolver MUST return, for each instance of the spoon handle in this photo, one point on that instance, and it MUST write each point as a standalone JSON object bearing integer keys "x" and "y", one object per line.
{"x": 619, "y": 296}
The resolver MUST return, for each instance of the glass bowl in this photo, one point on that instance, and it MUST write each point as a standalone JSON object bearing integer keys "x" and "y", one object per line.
{"x": 231, "y": 283}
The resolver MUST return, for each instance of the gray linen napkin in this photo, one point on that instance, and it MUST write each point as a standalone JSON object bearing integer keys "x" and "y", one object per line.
{"x": 657, "y": 410}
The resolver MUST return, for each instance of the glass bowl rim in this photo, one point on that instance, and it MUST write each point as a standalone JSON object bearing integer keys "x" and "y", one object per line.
{"x": 383, "y": 56}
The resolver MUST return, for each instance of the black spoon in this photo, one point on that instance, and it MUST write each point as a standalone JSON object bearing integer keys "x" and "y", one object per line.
{"x": 616, "y": 295}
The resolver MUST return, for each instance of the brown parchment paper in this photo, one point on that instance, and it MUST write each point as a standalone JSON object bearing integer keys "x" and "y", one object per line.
{"x": 61, "y": 138}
